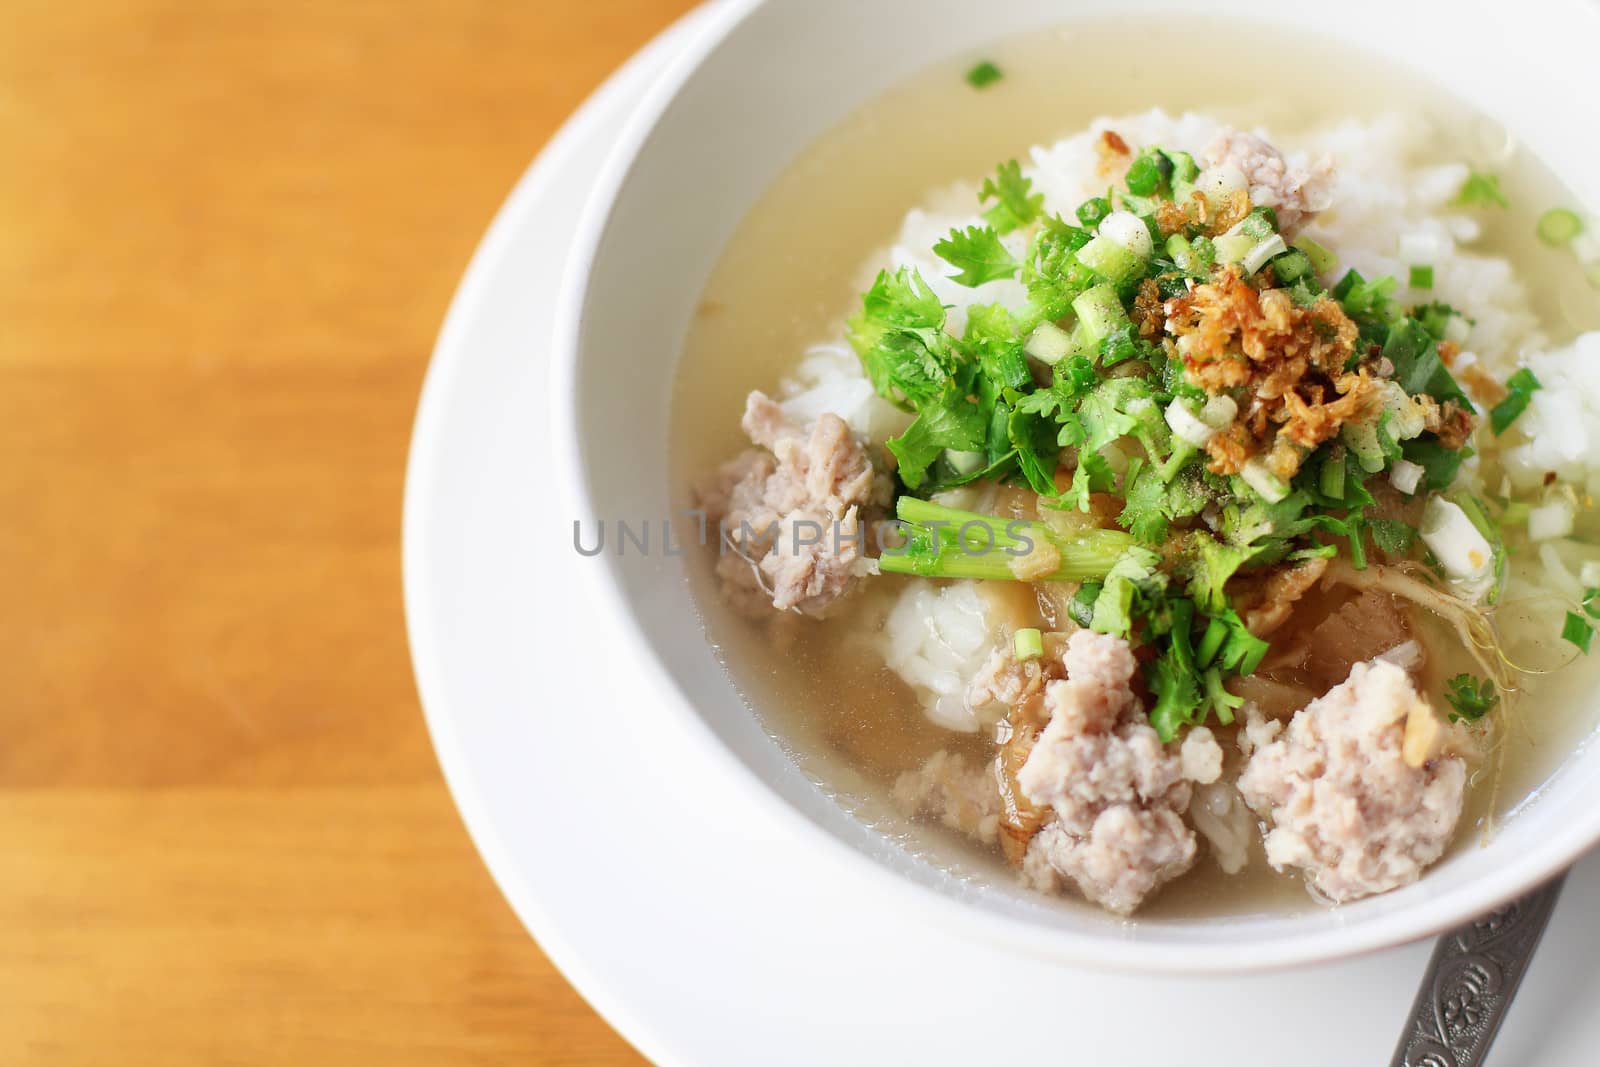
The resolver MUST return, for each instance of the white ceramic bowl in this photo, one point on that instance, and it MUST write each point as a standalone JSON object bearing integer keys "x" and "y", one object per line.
{"x": 723, "y": 121}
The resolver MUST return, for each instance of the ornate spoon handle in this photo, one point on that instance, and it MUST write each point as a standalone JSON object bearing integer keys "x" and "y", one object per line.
{"x": 1470, "y": 981}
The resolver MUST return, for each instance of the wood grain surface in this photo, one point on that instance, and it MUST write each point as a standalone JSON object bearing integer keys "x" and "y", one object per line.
{"x": 228, "y": 233}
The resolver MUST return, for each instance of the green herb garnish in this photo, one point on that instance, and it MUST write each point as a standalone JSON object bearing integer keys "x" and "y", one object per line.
{"x": 1393, "y": 537}
{"x": 1071, "y": 393}
{"x": 1520, "y": 388}
{"x": 1016, "y": 204}
{"x": 1481, "y": 190}
{"x": 1558, "y": 226}
{"x": 983, "y": 75}
{"x": 1576, "y": 630}
{"x": 1472, "y": 698}
{"x": 978, "y": 254}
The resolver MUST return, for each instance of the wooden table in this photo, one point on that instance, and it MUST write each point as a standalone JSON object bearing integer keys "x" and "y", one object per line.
{"x": 228, "y": 233}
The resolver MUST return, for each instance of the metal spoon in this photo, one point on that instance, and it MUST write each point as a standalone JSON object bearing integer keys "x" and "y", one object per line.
{"x": 1470, "y": 981}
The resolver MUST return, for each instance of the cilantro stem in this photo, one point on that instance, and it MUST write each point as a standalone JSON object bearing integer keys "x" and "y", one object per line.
{"x": 944, "y": 542}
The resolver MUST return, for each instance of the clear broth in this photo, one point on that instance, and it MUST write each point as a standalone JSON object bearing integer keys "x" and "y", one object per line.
{"x": 789, "y": 278}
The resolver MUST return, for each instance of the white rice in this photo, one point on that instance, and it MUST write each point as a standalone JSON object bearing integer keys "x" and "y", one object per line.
{"x": 1562, "y": 424}
{"x": 936, "y": 638}
{"x": 1390, "y": 209}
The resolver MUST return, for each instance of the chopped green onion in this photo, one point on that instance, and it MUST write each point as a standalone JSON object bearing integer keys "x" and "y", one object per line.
{"x": 1257, "y": 224}
{"x": 1577, "y": 631}
{"x": 983, "y": 75}
{"x": 1558, "y": 226}
{"x": 1049, "y": 343}
{"x": 1362, "y": 439}
{"x": 1266, "y": 485}
{"x": 1465, "y": 554}
{"x": 1181, "y": 252}
{"x": 1100, "y": 311}
{"x": 1291, "y": 267}
{"x": 1481, "y": 189}
{"x": 1321, "y": 259}
{"x": 1184, "y": 168}
{"x": 1130, "y": 231}
{"x": 1110, "y": 260}
{"x": 1233, "y": 249}
{"x": 1422, "y": 277}
{"x": 1406, "y": 476}
{"x": 1148, "y": 172}
{"x": 1028, "y": 644}
{"x": 1330, "y": 481}
{"x": 1520, "y": 388}
{"x": 1091, "y": 211}
{"x": 1187, "y": 425}
{"x": 1258, "y": 256}
{"x": 1591, "y": 603}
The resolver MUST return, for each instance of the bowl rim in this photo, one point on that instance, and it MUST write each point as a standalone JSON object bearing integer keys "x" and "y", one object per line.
{"x": 1215, "y": 955}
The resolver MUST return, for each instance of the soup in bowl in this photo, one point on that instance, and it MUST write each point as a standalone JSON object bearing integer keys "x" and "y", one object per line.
{"x": 1145, "y": 515}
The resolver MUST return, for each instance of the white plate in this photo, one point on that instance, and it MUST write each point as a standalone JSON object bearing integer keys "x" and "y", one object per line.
{"x": 687, "y": 922}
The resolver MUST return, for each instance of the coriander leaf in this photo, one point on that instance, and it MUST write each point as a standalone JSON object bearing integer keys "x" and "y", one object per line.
{"x": 984, "y": 75}
{"x": 1034, "y": 437}
{"x": 1439, "y": 463}
{"x": 991, "y": 339}
{"x": 978, "y": 254}
{"x": 957, "y": 424}
{"x": 899, "y": 336}
{"x": 1081, "y": 606}
{"x": 1480, "y": 189}
{"x": 1071, "y": 433}
{"x": 1208, "y": 564}
{"x": 1417, "y": 366}
{"x": 1187, "y": 491}
{"x": 1093, "y": 475}
{"x": 1137, "y": 572}
{"x": 1144, "y": 495}
{"x": 1575, "y": 630}
{"x": 1016, "y": 204}
{"x": 1472, "y": 698}
{"x": 1520, "y": 388}
{"x": 1393, "y": 537}
{"x": 1367, "y": 302}
{"x": 1052, "y": 272}
{"x": 1241, "y": 651}
{"x": 1151, "y": 502}
{"x": 1247, "y": 525}
{"x": 1108, "y": 412}
{"x": 1173, "y": 678}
